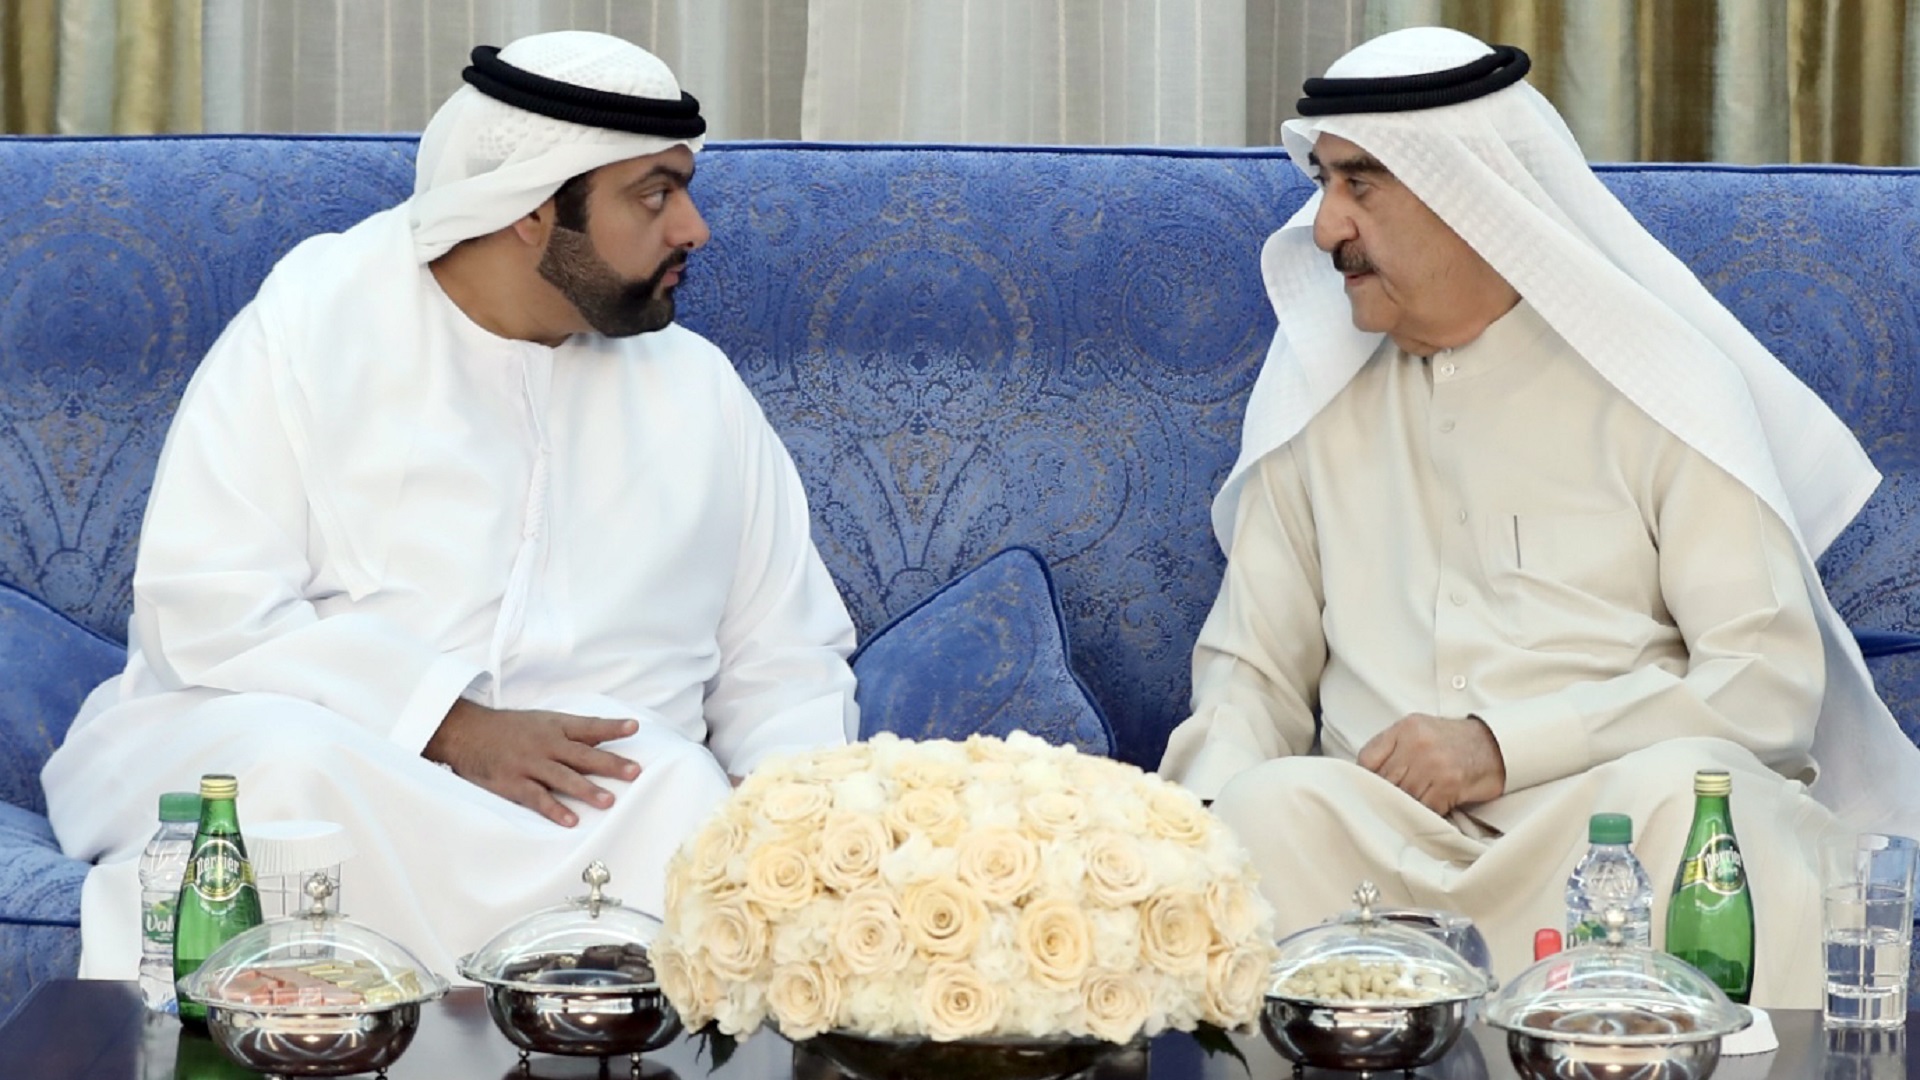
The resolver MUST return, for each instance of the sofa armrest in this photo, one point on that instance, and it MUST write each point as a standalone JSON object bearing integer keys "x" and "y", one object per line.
{"x": 48, "y": 665}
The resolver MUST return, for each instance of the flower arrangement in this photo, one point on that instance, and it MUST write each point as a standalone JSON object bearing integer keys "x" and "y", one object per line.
{"x": 952, "y": 890}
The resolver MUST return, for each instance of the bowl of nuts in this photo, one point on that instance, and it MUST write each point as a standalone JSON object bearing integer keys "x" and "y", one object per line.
{"x": 1366, "y": 995}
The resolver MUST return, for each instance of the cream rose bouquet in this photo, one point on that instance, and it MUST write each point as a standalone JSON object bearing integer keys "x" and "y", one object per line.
{"x": 952, "y": 890}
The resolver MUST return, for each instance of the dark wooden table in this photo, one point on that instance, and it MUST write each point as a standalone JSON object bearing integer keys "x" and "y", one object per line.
{"x": 74, "y": 1030}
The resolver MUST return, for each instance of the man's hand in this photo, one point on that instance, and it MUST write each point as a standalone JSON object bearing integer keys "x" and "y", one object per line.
{"x": 531, "y": 756}
{"x": 1443, "y": 762}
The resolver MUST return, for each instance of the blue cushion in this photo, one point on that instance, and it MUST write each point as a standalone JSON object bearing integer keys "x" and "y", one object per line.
{"x": 987, "y": 654}
{"x": 1877, "y": 643}
{"x": 48, "y": 664}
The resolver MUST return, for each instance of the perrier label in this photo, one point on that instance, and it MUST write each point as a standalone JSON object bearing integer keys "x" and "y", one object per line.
{"x": 218, "y": 898}
{"x": 1710, "y": 916}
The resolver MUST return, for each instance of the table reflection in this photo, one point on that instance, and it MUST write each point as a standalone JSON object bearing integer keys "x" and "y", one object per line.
{"x": 1864, "y": 1054}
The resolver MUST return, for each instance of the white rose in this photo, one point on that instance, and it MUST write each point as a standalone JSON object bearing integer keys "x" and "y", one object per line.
{"x": 943, "y": 917}
{"x": 733, "y": 940}
{"x": 797, "y": 804}
{"x": 955, "y": 1002}
{"x": 930, "y": 771}
{"x": 804, "y": 999}
{"x": 1174, "y": 813}
{"x": 1054, "y": 814}
{"x": 1000, "y": 864}
{"x": 711, "y": 850}
{"x": 694, "y": 992}
{"x": 1175, "y": 932}
{"x": 1236, "y": 985}
{"x": 1117, "y": 1003}
{"x": 1117, "y": 870}
{"x": 779, "y": 877}
{"x": 840, "y": 762}
{"x": 850, "y": 849}
{"x": 871, "y": 939}
{"x": 931, "y": 811}
{"x": 1237, "y": 912}
{"x": 1056, "y": 942}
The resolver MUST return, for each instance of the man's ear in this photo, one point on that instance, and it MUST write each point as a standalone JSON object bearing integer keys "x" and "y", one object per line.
{"x": 534, "y": 228}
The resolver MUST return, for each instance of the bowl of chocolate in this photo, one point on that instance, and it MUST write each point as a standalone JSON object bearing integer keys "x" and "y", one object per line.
{"x": 1365, "y": 994}
{"x": 577, "y": 978}
{"x": 314, "y": 994}
{"x": 1610, "y": 1010}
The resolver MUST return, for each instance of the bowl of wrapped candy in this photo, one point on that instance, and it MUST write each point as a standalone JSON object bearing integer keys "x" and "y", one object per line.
{"x": 577, "y": 978}
{"x": 313, "y": 995}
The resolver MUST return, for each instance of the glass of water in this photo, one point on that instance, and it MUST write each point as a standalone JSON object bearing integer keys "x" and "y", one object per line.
{"x": 1867, "y": 884}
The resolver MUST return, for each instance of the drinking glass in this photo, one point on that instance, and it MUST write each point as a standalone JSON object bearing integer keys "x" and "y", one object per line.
{"x": 1867, "y": 884}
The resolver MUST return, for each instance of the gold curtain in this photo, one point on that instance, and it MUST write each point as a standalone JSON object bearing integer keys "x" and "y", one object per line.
{"x": 1719, "y": 80}
{"x": 84, "y": 67}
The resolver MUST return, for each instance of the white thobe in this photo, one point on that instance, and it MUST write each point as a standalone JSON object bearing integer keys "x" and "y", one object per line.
{"x": 364, "y": 513}
{"x": 1497, "y": 532}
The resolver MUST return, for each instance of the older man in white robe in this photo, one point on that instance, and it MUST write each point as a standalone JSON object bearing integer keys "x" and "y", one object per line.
{"x": 1522, "y": 530}
{"x": 459, "y": 541}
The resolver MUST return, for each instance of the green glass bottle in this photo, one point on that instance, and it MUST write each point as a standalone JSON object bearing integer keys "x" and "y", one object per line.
{"x": 217, "y": 894}
{"x": 1710, "y": 917}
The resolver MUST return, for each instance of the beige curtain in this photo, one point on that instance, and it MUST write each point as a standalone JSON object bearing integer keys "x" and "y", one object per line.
{"x": 1712, "y": 80}
{"x": 76, "y": 67}
{"x": 385, "y": 65}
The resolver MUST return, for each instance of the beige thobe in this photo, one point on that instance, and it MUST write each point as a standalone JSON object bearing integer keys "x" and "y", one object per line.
{"x": 1496, "y": 532}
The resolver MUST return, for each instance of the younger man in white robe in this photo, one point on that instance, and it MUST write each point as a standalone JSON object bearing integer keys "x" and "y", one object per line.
{"x": 459, "y": 541}
{"x": 1526, "y": 522}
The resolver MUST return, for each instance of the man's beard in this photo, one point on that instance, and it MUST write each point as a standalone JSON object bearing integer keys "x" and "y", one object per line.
{"x": 614, "y": 306}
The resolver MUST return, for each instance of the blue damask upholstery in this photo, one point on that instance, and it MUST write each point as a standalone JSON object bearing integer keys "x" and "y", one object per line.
{"x": 966, "y": 349}
{"x": 988, "y": 654}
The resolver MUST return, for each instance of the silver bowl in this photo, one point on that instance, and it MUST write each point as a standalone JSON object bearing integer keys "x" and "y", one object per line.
{"x": 582, "y": 1012}
{"x": 319, "y": 1042}
{"x": 1361, "y": 1037}
{"x": 1617, "y": 1039}
{"x": 867, "y": 1057}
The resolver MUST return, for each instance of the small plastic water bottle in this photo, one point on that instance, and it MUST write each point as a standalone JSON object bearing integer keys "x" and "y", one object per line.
{"x": 161, "y": 866}
{"x": 1609, "y": 876}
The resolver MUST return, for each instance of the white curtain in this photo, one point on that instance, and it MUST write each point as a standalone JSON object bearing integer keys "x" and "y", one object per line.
{"x": 385, "y": 65}
{"x": 1169, "y": 72}
{"x": 1722, "y": 80}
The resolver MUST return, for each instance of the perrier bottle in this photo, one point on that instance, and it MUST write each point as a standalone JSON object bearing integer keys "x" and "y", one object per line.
{"x": 1710, "y": 918}
{"x": 218, "y": 898}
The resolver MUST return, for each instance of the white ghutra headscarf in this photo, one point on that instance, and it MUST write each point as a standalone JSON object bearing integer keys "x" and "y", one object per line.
{"x": 1503, "y": 172}
{"x": 534, "y": 114}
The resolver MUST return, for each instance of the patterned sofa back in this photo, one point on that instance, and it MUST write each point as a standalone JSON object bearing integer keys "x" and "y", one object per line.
{"x": 965, "y": 348}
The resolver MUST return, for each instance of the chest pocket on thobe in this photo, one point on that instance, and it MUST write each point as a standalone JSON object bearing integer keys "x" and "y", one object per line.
{"x": 1569, "y": 581}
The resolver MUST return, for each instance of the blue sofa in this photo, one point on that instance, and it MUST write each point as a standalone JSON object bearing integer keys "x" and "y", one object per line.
{"x": 966, "y": 349}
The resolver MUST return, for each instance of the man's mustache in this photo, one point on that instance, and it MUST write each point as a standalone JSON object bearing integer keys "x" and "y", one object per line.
{"x": 1349, "y": 259}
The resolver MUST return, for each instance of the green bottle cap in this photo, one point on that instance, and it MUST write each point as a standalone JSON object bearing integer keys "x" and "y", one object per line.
{"x": 1609, "y": 829}
{"x": 180, "y": 806}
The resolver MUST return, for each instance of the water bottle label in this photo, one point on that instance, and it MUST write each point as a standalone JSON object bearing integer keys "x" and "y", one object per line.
{"x": 156, "y": 921}
{"x": 1716, "y": 867}
{"x": 217, "y": 871}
